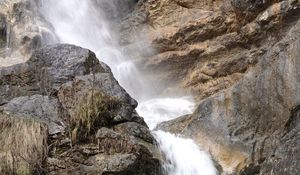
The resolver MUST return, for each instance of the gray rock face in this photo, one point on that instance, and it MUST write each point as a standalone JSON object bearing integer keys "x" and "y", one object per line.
{"x": 72, "y": 95}
{"x": 46, "y": 70}
{"x": 42, "y": 108}
{"x": 250, "y": 4}
{"x": 122, "y": 140}
{"x": 255, "y": 122}
{"x": 66, "y": 89}
{"x": 137, "y": 130}
{"x": 61, "y": 63}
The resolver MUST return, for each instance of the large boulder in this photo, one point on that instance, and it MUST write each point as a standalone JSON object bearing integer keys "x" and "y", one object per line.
{"x": 253, "y": 127}
{"x": 89, "y": 119}
{"x": 46, "y": 71}
{"x": 85, "y": 90}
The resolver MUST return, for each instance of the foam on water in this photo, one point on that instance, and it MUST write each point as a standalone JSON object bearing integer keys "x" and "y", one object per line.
{"x": 183, "y": 156}
{"x": 79, "y": 22}
{"x": 158, "y": 110}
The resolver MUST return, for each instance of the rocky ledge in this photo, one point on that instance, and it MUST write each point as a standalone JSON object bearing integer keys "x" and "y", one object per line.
{"x": 62, "y": 112}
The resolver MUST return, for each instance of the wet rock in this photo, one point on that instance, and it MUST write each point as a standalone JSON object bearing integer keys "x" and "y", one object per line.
{"x": 113, "y": 153}
{"x": 250, "y": 4}
{"x": 122, "y": 164}
{"x": 111, "y": 142}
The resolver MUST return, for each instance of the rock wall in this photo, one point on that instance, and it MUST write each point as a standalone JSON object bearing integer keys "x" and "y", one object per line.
{"x": 208, "y": 45}
{"x": 253, "y": 126}
{"x": 240, "y": 59}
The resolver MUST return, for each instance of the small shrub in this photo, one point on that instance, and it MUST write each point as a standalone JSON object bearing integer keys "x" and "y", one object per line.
{"x": 97, "y": 111}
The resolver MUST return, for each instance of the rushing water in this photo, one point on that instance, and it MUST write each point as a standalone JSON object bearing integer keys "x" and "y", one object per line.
{"x": 81, "y": 23}
{"x": 158, "y": 110}
{"x": 7, "y": 47}
{"x": 183, "y": 156}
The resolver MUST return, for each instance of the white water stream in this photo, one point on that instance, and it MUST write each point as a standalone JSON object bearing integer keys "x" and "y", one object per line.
{"x": 79, "y": 22}
{"x": 7, "y": 47}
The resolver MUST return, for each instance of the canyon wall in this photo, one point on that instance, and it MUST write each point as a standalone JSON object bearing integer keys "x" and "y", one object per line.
{"x": 240, "y": 59}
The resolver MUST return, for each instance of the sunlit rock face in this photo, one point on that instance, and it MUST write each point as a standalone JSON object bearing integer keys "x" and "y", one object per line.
{"x": 253, "y": 125}
{"x": 238, "y": 59}
{"x": 208, "y": 47}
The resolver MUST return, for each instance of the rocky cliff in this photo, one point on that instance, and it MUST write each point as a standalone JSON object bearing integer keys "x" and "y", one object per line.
{"x": 208, "y": 45}
{"x": 240, "y": 59}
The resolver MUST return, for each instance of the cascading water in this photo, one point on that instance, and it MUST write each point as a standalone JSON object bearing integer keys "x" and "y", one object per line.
{"x": 81, "y": 23}
{"x": 7, "y": 47}
{"x": 159, "y": 110}
{"x": 77, "y": 22}
{"x": 183, "y": 156}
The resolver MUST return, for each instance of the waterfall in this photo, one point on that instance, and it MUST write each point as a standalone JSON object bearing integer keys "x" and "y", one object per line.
{"x": 7, "y": 45}
{"x": 81, "y": 23}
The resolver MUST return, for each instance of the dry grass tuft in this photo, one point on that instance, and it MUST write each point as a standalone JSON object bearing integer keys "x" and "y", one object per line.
{"x": 97, "y": 111}
{"x": 23, "y": 146}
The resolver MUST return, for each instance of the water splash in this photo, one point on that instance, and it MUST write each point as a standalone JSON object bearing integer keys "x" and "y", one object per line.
{"x": 183, "y": 156}
{"x": 158, "y": 110}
